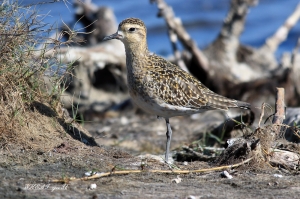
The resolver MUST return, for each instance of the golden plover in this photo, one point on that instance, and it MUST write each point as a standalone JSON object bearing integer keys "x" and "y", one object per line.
{"x": 160, "y": 87}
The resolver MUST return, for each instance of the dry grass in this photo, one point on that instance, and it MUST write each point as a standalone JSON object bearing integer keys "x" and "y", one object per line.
{"x": 27, "y": 107}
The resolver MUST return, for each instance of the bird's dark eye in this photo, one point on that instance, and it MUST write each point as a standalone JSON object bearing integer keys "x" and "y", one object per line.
{"x": 132, "y": 29}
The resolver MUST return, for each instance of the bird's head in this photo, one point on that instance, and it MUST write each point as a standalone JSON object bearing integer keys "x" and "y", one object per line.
{"x": 131, "y": 31}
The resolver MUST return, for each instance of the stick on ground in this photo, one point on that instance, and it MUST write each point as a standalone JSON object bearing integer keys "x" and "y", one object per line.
{"x": 100, "y": 175}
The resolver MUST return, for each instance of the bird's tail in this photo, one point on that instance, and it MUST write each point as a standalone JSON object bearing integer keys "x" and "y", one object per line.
{"x": 243, "y": 105}
{"x": 219, "y": 102}
{"x": 222, "y": 103}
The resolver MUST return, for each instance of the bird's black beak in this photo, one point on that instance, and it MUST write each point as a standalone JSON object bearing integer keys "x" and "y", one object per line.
{"x": 113, "y": 36}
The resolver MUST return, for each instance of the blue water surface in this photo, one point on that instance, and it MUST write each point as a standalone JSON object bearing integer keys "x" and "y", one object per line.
{"x": 202, "y": 19}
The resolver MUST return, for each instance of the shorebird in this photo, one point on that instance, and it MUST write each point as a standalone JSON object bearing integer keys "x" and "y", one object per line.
{"x": 160, "y": 87}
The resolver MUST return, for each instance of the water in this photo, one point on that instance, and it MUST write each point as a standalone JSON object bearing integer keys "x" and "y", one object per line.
{"x": 202, "y": 19}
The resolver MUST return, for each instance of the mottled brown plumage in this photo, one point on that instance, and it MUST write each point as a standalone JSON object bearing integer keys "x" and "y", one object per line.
{"x": 160, "y": 87}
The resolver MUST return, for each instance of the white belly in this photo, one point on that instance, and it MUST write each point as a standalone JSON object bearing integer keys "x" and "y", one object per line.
{"x": 162, "y": 109}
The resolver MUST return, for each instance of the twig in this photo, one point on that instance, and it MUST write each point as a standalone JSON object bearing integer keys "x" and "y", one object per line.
{"x": 261, "y": 113}
{"x": 100, "y": 175}
{"x": 263, "y": 106}
{"x": 40, "y": 3}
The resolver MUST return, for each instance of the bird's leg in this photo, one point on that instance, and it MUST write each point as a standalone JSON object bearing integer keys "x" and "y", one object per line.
{"x": 169, "y": 137}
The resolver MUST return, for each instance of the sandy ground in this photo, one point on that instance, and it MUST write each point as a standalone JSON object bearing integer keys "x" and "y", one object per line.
{"x": 27, "y": 173}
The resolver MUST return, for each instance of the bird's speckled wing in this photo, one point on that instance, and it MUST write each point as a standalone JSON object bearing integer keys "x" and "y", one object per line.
{"x": 177, "y": 87}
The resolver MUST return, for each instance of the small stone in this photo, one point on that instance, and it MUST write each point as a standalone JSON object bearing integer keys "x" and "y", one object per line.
{"x": 278, "y": 176}
{"x": 89, "y": 173}
{"x": 177, "y": 180}
{"x": 92, "y": 186}
{"x": 225, "y": 174}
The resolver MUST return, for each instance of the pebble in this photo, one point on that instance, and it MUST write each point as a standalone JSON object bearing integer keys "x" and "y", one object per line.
{"x": 92, "y": 186}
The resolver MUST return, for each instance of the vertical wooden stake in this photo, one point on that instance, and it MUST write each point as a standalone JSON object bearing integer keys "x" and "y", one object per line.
{"x": 279, "y": 107}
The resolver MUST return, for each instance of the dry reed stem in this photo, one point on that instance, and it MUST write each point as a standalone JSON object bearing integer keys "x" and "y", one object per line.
{"x": 100, "y": 175}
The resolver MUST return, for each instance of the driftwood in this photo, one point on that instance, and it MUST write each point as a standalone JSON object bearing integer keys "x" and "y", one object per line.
{"x": 288, "y": 159}
{"x": 295, "y": 68}
{"x": 265, "y": 146}
{"x": 99, "y": 69}
{"x": 175, "y": 27}
{"x": 263, "y": 142}
{"x": 280, "y": 35}
{"x": 97, "y": 21}
{"x": 226, "y": 66}
{"x": 231, "y": 68}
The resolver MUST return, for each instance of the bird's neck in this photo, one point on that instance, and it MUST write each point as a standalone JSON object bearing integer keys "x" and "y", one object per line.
{"x": 136, "y": 57}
